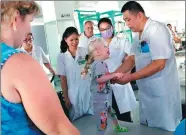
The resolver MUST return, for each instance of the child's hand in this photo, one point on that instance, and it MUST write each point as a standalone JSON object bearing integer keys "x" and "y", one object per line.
{"x": 119, "y": 75}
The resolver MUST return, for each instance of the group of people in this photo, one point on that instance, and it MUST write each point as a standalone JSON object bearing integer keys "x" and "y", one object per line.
{"x": 95, "y": 75}
{"x": 72, "y": 59}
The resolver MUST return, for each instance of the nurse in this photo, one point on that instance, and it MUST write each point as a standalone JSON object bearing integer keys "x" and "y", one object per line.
{"x": 88, "y": 35}
{"x": 156, "y": 70}
{"x": 176, "y": 40}
{"x": 70, "y": 62}
{"x": 123, "y": 96}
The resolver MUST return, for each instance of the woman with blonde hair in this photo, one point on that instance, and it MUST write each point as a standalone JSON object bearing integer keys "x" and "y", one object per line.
{"x": 29, "y": 104}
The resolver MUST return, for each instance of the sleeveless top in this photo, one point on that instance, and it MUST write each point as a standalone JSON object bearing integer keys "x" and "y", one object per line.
{"x": 14, "y": 119}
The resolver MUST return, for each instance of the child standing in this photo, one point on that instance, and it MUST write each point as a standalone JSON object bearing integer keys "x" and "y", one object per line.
{"x": 101, "y": 92}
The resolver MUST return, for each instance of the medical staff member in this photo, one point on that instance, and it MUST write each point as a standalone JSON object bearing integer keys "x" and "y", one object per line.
{"x": 176, "y": 40}
{"x": 88, "y": 35}
{"x": 70, "y": 63}
{"x": 123, "y": 96}
{"x": 156, "y": 70}
{"x": 36, "y": 52}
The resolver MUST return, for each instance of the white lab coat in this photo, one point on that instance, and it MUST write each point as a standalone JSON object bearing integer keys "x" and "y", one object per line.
{"x": 84, "y": 40}
{"x": 124, "y": 94}
{"x": 159, "y": 94}
{"x": 78, "y": 88}
{"x": 38, "y": 54}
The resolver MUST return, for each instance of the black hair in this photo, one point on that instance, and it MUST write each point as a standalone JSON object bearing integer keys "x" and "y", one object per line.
{"x": 105, "y": 19}
{"x": 30, "y": 34}
{"x": 132, "y": 6}
{"x": 169, "y": 24}
{"x": 68, "y": 32}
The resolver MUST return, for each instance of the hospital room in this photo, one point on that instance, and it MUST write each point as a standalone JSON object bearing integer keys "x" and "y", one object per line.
{"x": 93, "y": 68}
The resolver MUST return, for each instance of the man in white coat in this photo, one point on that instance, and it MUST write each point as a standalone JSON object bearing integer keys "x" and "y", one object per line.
{"x": 156, "y": 71}
{"x": 36, "y": 52}
{"x": 87, "y": 36}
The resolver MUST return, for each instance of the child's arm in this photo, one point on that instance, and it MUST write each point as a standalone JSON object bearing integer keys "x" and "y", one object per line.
{"x": 107, "y": 77}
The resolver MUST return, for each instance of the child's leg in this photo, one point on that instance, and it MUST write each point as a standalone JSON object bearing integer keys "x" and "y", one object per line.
{"x": 100, "y": 114}
{"x": 112, "y": 116}
{"x": 102, "y": 123}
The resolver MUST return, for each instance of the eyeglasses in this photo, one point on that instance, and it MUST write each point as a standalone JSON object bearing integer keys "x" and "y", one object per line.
{"x": 106, "y": 29}
{"x": 28, "y": 39}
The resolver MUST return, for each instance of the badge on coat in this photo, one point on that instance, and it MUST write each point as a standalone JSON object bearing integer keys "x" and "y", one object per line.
{"x": 81, "y": 60}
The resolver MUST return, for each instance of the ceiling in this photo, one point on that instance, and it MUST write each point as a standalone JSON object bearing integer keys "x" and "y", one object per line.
{"x": 176, "y": 5}
{"x": 158, "y": 10}
{"x": 100, "y": 5}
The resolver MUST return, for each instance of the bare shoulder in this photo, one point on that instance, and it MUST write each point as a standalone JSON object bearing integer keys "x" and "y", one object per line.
{"x": 21, "y": 65}
{"x": 20, "y": 61}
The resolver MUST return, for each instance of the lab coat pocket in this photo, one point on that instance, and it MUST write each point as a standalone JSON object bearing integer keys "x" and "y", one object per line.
{"x": 156, "y": 86}
{"x": 144, "y": 47}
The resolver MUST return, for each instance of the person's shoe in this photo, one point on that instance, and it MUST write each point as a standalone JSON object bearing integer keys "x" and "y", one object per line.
{"x": 120, "y": 129}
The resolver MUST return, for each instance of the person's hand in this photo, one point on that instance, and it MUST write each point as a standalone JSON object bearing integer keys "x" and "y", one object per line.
{"x": 52, "y": 71}
{"x": 113, "y": 81}
{"x": 118, "y": 75}
{"x": 124, "y": 80}
{"x": 67, "y": 103}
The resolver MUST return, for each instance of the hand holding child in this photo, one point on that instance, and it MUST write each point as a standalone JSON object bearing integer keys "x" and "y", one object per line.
{"x": 118, "y": 75}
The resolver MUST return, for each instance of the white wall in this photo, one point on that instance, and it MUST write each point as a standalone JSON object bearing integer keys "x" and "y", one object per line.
{"x": 99, "y": 6}
{"x": 164, "y": 11}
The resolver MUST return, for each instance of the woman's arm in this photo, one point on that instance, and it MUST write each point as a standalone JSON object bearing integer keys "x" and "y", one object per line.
{"x": 38, "y": 96}
{"x": 64, "y": 87}
{"x": 49, "y": 67}
{"x": 177, "y": 39}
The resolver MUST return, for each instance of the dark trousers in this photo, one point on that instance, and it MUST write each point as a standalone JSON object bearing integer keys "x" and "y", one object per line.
{"x": 123, "y": 117}
{"x": 66, "y": 111}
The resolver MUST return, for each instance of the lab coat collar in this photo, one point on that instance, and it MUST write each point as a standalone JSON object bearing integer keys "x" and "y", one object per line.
{"x": 77, "y": 54}
{"x": 87, "y": 37}
{"x": 22, "y": 48}
{"x": 68, "y": 53}
{"x": 113, "y": 41}
{"x": 149, "y": 20}
{"x": 33, "y": 49}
